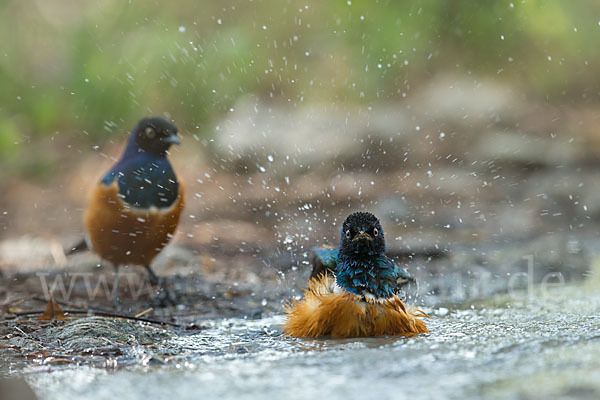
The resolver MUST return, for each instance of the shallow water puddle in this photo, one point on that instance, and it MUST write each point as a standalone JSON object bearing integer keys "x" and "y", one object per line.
{"x": 545, "y": 346}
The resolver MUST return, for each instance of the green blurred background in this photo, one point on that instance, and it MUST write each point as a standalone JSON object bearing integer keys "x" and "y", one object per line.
{"x": 88, "y": 70}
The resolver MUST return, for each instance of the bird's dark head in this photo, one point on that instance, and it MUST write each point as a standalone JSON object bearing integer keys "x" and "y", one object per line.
{"x": 362, "y": 235}
{"x": 154, "y": 135}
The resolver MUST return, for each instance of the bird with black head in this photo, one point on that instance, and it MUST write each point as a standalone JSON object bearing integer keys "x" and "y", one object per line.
{"x": 134, "y": 209}
{"x": 362, "y": 247}
{"x": 360, "y": 298}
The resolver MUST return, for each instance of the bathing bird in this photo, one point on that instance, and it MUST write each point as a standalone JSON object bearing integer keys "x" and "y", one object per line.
{"x": 360, "y": 298}
{"x": 325, "y": 259}
{"x": 134, "y": 209}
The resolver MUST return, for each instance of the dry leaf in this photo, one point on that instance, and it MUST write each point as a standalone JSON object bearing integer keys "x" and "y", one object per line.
{"x": 53, "y": 311}
{"x": 38, "y": 354}
{"x": 58, "y": 361}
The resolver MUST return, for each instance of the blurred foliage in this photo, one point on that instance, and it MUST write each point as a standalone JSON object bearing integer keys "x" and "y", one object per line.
{"x": 92, "y": 68}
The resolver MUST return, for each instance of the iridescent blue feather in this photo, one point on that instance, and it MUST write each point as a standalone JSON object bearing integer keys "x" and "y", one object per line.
{"x": 144, "y": 180}
{"x": 395, "y": 277}
{"x": 376, "y": 275}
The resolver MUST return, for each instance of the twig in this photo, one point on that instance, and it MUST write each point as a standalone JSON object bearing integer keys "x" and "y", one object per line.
{"x": 146, "y": 311}
{"x": 103, "y": 314}
{"x": 20, "y": 330}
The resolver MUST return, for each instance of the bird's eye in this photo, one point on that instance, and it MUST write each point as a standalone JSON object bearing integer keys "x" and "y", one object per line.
{"x": 375, "y": 231}
{"x": 348, "y": 233}
{"x": 150, "y": 133}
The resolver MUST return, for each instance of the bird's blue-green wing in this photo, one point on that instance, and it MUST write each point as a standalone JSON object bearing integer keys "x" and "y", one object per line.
{"x": 324, "y": 259}
{"x": 402, "y": 276}
{"x": 327, "y": 255}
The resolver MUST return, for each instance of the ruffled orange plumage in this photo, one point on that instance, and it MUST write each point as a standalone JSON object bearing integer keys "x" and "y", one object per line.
{"x": 329, "y": 311}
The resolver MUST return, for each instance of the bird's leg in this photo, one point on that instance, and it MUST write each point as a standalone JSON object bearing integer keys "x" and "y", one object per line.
{"x": 165, "y": 296}
{"x": 152, "y": 277}
{"x": 115, "y": 288}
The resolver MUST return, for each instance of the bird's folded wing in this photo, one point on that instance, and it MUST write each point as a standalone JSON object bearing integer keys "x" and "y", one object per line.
{"x": 323, "y": 259}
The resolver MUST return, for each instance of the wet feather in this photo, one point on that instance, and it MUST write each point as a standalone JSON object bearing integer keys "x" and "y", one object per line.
{"x": 325, "y": 312}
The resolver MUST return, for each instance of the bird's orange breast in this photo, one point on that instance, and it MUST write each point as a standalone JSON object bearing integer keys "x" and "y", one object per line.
{"x": 126, "y": 235}
{"x": 324, "y": 312}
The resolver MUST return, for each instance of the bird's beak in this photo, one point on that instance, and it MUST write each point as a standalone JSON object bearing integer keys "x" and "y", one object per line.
{"x": 171, "y": 139}
{"x": 362, "y": 235}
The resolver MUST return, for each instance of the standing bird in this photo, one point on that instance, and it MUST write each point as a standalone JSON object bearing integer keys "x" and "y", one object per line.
{"x": 134, "y": 210}
{"x": 361, "y": 298}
